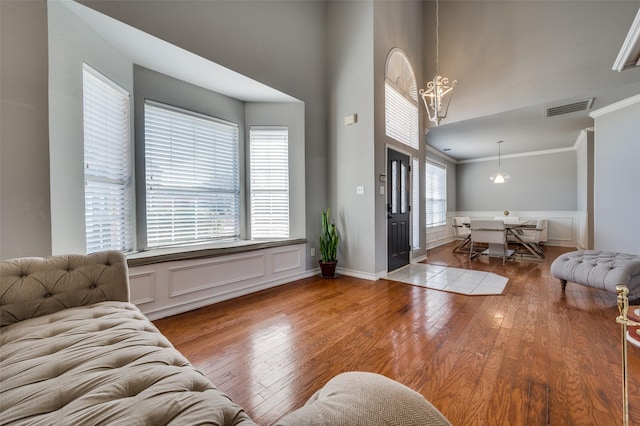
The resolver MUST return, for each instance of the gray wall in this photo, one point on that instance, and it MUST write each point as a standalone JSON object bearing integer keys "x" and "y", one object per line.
{"x": 292, "y": 116}
{"x": 161, "y": 88}
{"x": 158, "y": 87}
{"x": 452, "y": 179}
{"x": 396, "y": 25}
{"x": 25, "y": 220}
{"x": 350, "y": 74}
{"x": 538, "y": 182}
{"x": 584, "y": 202}
{"x": 72, "y": 42}
{"x": 281, "y": 44}
{"x": 616, "y": 180}
{"x": 278, "y": 43}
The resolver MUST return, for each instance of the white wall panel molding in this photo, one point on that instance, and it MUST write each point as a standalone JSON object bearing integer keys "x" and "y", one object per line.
{"x": 214, "y": 273}
{"x": 356, "y": 274}
{"x": 142, "y": 287}
{"x": 439, "y": 235}
{"x": 285, "y": 260}
{"x": 169, "y": 288}
{"x": 581, "y": 230}
{"x": 178, "y": 308}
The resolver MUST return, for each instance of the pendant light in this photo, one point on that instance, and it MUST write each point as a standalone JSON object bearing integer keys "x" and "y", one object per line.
{"x": 500, "y": 177}
{"x": 437, "y": 95}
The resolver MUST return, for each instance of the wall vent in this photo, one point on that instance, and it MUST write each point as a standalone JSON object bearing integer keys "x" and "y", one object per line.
{"x": 569, "y": 108}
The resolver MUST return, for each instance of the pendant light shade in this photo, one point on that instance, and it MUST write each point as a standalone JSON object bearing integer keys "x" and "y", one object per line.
{"x": 500, "y": 176}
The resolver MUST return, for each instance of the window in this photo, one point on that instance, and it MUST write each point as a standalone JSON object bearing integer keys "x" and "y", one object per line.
{"x": 401, "y": 101}
{"x": 192, "y": 177}
{"x": 436, "y": 194}
{"x": 415, "y": 202}
{"x": 108, "y": 183}
{"x": 269, "y": 152}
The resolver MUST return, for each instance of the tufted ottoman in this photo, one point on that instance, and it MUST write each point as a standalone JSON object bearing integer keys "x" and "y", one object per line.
{"x": 599, "y": 269}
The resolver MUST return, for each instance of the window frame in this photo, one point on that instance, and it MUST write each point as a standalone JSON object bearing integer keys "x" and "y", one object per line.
{"x": 113, "y": 181}
{"x": 277, "y": 222}
{"x": 209, "y": 185}
{"x": 401, "y": 106}
{"x": 415, "y": 203}
{"x": 430, "y": 222}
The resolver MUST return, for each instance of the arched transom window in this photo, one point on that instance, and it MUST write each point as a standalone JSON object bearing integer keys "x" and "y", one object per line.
{"x": 401, "y": 100}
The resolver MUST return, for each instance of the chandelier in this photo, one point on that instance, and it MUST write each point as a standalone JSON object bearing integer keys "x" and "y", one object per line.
{"x": 439, "y": 91}
{"x": 500, "y": 177}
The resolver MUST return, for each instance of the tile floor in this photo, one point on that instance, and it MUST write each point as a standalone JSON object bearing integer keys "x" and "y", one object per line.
{"x": 456, "y": 280}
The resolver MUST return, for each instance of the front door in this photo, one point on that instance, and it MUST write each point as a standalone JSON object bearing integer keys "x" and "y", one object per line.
{"x": 398, "y": 210}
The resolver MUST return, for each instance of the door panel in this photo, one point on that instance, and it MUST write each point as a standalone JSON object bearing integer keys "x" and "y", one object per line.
{"x": 398, "y": 210}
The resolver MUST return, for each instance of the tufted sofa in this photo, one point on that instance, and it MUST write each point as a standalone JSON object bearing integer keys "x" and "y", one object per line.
{"x": 599, "y": 269}
{"x": 73, "y": 350}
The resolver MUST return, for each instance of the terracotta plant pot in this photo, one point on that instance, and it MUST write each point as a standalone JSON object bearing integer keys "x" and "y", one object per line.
{"x": 327, "y": 269}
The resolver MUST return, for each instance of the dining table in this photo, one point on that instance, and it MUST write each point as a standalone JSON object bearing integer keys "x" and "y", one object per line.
{"x": 532, "y": 251}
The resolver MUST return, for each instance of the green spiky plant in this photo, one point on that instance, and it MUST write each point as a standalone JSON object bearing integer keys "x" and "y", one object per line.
{"x": 328, "y": 238}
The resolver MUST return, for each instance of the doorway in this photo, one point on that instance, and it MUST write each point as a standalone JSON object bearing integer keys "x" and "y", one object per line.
{"x": 398, "y": 210}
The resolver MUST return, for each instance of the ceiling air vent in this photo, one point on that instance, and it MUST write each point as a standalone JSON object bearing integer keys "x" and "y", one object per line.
{"x": 568, "y": 108}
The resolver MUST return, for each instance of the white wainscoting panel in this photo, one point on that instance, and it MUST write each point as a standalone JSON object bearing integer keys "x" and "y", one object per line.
{"x": 142, "y": 288}
{"x": 561, "y": 231}
{"x": 285, "y": 260}
{"x": 439, "y": 235}
{"x": 214, "y": 273}
{"x": 582, "y": 230}
{"x": 169, "y": 288}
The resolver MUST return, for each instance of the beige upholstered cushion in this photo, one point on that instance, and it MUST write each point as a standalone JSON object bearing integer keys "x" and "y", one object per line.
{"x": 104, "y": 364}
{"x": 365, "y": 399}
{"x": 35, "y": 286}
{"x": 73, "y": 351}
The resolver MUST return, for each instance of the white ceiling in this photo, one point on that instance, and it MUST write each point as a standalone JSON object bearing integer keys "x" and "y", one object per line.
{"x": 514, "y": 59}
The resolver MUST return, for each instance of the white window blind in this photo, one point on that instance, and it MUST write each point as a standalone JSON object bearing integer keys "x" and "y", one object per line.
{"x": 269, "y": 182}
{"x": 401, "y": 117}
{"x": 108, "y": 183}
{"x": 192, "y": 177}
{"x": 415, "y": 202}
{"x": 436, "y": 194}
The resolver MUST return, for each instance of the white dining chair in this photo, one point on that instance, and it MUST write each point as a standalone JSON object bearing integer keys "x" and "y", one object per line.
{"x": 460, "y": 230}
{"x": 534, "y": 237}
{"x": 461, "y": 233}
{"x": 493, "y": 233}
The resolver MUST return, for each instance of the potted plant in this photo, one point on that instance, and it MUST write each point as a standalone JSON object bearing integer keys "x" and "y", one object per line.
{"x": 328, "y": 246}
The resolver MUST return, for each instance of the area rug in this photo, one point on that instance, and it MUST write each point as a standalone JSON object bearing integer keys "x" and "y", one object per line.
{"x": 454, "y": 280}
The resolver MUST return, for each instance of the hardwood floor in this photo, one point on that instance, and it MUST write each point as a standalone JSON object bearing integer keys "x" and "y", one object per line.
{"x": 533, "y": 356}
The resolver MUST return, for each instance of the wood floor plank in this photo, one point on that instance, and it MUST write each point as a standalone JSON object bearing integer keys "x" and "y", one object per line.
{"x": 533, "y": 356}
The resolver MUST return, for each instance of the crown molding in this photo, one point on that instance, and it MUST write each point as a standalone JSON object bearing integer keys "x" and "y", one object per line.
{"x": 441, "y": 154}
{"x": 615, "y": 106}
{"x": 522, "y": 154}
{"x": 629, "y": 55}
